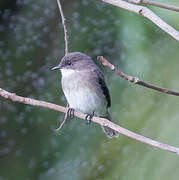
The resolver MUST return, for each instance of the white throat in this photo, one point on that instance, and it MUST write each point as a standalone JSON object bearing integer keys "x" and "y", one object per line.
{"x": 68, "y": 72}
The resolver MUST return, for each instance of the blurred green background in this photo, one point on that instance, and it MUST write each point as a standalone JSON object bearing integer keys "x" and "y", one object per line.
{"x": 31, "y": 42}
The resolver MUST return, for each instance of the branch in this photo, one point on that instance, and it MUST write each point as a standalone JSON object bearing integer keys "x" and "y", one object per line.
{"x": 134, "y": 80}
{"x": 64, "y": 119}
{"x": 64, "y": 27}
{"x": 147, "y": 13}
{"x": 101, "y": 121}
{"x": 153, "y": 3}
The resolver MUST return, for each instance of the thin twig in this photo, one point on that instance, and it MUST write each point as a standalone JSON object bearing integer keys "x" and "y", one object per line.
{"x": 66, "y": 52}
{"x": 64, "y": 120}
{"x": 146, "y": 12}
{"x": 157, "y": 4}
{"x": 101, "y": 121}
{"x": 61, "y": 125}
{"x": 64, "y": 27}
{"x": 134, "y": 80}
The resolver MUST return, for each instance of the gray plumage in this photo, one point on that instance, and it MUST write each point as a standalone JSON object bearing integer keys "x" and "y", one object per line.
{"x": 84, "y": 87}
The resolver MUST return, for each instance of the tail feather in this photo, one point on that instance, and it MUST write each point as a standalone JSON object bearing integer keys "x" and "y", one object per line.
{"x": 108, "y": 131}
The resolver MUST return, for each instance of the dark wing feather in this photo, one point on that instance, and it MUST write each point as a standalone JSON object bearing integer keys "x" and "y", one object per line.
{"x": 103, "y": 86}
{"x": 105, "y": 91}
{"x": 95, "y": 73}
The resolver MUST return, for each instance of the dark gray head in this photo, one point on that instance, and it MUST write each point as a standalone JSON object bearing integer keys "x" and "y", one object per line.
{"x": 75, "y": 61}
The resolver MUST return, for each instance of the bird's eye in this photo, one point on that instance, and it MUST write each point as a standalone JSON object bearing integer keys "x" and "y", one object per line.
{"x": 69, "y": 63}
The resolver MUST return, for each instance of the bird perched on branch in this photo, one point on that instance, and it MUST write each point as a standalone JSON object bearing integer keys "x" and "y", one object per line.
{"x": 84, "y": 87}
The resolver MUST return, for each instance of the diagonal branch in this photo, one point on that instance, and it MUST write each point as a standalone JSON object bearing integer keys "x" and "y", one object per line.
{"x": 101, "y": 121}
{"x": 153, "y": 3}
{"x": 134, "y": 80}
{"x": 64, "y": 27}
{"x": 147, "y": 13}
{"x": 64, "y": 119}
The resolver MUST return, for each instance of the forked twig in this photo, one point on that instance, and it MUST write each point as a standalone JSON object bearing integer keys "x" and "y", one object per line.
{"x": 147, "y": 13}
{"x": 134, "y": 80}
{"x": 154, "y": 3}
{"x": 102, "y": 121}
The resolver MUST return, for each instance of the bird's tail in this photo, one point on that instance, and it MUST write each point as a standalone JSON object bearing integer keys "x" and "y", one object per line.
{"x": 108, "y": 131}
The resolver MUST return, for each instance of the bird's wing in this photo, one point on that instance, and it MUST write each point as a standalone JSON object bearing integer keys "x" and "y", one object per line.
{"x": 101, "y": 80}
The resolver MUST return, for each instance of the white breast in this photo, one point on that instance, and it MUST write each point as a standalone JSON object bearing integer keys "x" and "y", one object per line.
{"x": 79, "y": 96}
{"x": 86, "y": 101}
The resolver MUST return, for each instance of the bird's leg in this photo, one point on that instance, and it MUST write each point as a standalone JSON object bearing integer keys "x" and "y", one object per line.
{"x": 89, "y": 117}
{"x": 70, "y": 113}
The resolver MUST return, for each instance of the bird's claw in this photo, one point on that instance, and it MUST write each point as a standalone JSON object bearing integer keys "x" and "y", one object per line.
{"x": 89, "y": 117}
{"x": 70, "y": 113}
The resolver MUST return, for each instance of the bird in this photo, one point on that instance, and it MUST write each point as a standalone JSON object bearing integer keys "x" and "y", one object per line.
{"x": 84, "y": 87}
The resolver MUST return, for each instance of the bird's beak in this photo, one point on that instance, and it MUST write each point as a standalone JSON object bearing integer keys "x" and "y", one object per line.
{"x": 56, "y": 67}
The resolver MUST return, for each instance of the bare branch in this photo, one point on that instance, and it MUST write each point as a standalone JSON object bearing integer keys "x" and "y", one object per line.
{"x": 153, "y": 3}
{"x": 134, "y": 80}
{"x": 65, "y": 118}
{"x": 101, "y": 121}
{"x": 144, "y": 11}
{"x": 64, "y": 27}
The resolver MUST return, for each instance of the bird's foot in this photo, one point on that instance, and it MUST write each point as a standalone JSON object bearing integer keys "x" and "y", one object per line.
{"x": 70, "y": 113}
{"x": 89, "y": 117}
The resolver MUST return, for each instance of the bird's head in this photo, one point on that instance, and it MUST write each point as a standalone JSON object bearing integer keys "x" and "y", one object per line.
{"x": 74, "y": 61}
